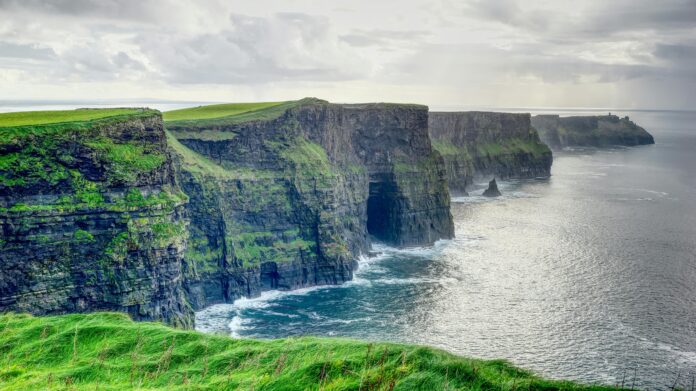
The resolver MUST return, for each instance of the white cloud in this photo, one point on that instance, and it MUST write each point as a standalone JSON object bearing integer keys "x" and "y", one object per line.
{"x": 485, "y": 52}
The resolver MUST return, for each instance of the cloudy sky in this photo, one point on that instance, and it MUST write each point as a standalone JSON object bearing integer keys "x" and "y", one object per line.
{"x": 508, "y": 53}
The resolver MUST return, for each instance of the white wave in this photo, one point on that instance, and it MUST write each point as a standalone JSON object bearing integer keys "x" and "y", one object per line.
{"x": 413, "y": 281}
{"x": 655, "y": 192}
{"x": 236, "y": 325}
{"x": 426, "y": 252}
{"x": 681, "y": 356}
{"x": 217, "y": 317}
{"x": 624, "y": 199}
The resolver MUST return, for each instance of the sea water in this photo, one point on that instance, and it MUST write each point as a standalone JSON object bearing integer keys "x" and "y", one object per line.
{"x": 588, "y": 275}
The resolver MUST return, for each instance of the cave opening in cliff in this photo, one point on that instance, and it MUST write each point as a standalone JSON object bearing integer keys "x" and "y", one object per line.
{"x": 380, "y": 205}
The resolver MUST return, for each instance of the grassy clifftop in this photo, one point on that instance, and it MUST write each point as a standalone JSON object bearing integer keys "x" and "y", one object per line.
{"x": 231, "y": 113}
{"x": 216, "y": 111}
{"x": 53, "y": 148}
{"x": 26, "y": 118}
{"x": 107, "y": 351}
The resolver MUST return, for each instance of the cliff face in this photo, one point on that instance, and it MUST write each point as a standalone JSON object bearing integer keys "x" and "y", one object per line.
{"x": 590, "y": 131}
{"x": 94, "y": 214}
{"x": 289, "y": 198}
{"x": 484, "y": 144}
{"x": 91, "y": 219}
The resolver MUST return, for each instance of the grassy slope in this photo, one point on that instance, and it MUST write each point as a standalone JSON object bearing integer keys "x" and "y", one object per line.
{"x": 26, "y": 118}
{"x": 107, "y": 351}
{"x": 257, "y": 112}
{"x": 216, "y": 111}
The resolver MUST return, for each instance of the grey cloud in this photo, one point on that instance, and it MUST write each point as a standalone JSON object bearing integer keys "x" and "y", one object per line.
{"x": 286, "y": 46}
{"x": 510, "y": 12}
{"x": 363, "y": 38}
{"x": 636, "y": 15}
{"x": 111, "y": 9}
{"x": 675, "y": 52}
{"x": 427, "y": 44}
{"x": 35, "y": 52}
{"x": 600, "y": 20}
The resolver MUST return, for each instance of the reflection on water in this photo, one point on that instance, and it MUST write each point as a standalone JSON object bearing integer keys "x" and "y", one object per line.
{"x": 589, "y": 275}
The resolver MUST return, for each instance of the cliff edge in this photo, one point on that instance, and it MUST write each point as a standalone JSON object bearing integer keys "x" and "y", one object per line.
{"x": 590, "y": 131}
{"x": 483, "y": 144}
{"x": 105, "y": 210}
{"x": 90, "y": 215}
{"x": 289, "y": 195}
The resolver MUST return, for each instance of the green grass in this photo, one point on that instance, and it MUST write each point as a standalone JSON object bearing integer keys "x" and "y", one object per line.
{"x": 216, "y": 111}
{"x": 506, "y": 147}
{"x": 198, "y": 164}
{"x": 107, "y": 351}
{"x": 27, "y": 118}
{"x": 43, "y": 152}
{"x": 226, "y": 114}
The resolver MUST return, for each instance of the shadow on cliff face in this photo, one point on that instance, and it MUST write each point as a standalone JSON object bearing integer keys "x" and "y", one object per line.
{"x": 381, "y": 207}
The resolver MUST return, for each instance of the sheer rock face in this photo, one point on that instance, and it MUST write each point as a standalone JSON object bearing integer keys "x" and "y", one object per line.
{"x": 91, "y": 219}
{"x": 480, "y": 144}
{"x": 117, "y": 214}
{"x": 290, "y": 202}
{"x": 590, "y": 131}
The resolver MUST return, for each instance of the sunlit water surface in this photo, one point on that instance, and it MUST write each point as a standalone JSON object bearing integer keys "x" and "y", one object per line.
{"x": 589, "y": 275}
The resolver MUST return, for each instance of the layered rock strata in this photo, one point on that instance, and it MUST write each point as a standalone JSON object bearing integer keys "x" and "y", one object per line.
{"x": 590, "y": 131}
{"x": 91, "y": 219}
{"x": 290, "y": 196}
{"x": 117, "y": 214}
{"x": 478, "y": 145}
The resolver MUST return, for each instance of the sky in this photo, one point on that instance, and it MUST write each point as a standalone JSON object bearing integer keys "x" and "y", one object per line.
{"x": 638, "y": 54}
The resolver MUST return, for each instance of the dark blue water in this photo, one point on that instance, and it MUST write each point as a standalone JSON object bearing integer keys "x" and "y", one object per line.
{"x": 589, "y": 275}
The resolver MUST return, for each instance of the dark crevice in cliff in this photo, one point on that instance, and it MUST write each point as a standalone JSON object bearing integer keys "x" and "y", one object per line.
{"x": 380, "y": 222}
{"x": 224, "y": 264}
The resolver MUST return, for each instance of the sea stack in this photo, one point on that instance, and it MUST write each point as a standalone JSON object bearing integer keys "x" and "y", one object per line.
{"x": 492, "y": 190}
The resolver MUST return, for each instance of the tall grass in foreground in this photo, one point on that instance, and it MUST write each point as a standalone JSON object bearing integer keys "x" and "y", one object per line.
{"x": 108, "y": 351}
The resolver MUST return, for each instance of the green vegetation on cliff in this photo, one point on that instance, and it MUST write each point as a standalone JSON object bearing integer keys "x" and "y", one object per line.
{"x": 229, "y": 114}
{"x": 216, "y": 111}
{"x": 26, "y": 118}
{"x": 505, "y": 147}
{"x": 45, "y": 150}
{"x": 107, "y": 351}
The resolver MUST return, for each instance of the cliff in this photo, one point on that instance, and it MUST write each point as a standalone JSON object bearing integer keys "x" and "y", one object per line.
{"x": 90, "y": 215}
{"x": 590, "y": 131}
{"x": 288, "y": 195}
{"x": 104, "y": 210}
{"x": 484, "y": 144}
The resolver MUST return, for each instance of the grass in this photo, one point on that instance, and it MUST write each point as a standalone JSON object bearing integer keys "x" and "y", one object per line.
{"x": 196, "y": 163}
{"x": 216, "y": 111}
{"x": 227, "y": 114}
{"x": 26, "y": 118}
{"x": 506, "y": 147}
{"x": 107, "y": 351}
{"x": 42, "y": 151}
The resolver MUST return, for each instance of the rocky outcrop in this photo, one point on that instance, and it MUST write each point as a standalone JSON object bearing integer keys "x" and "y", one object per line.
{"x": 492, "y": 190}
{"x": 91, "y": 219}
{"x": 289, "y": 197}
{"x": 480, "y": 144}
{"x": 590, "y": 131}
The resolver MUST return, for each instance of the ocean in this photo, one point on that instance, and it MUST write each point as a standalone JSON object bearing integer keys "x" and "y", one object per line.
{"x": 588, "y": 275}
